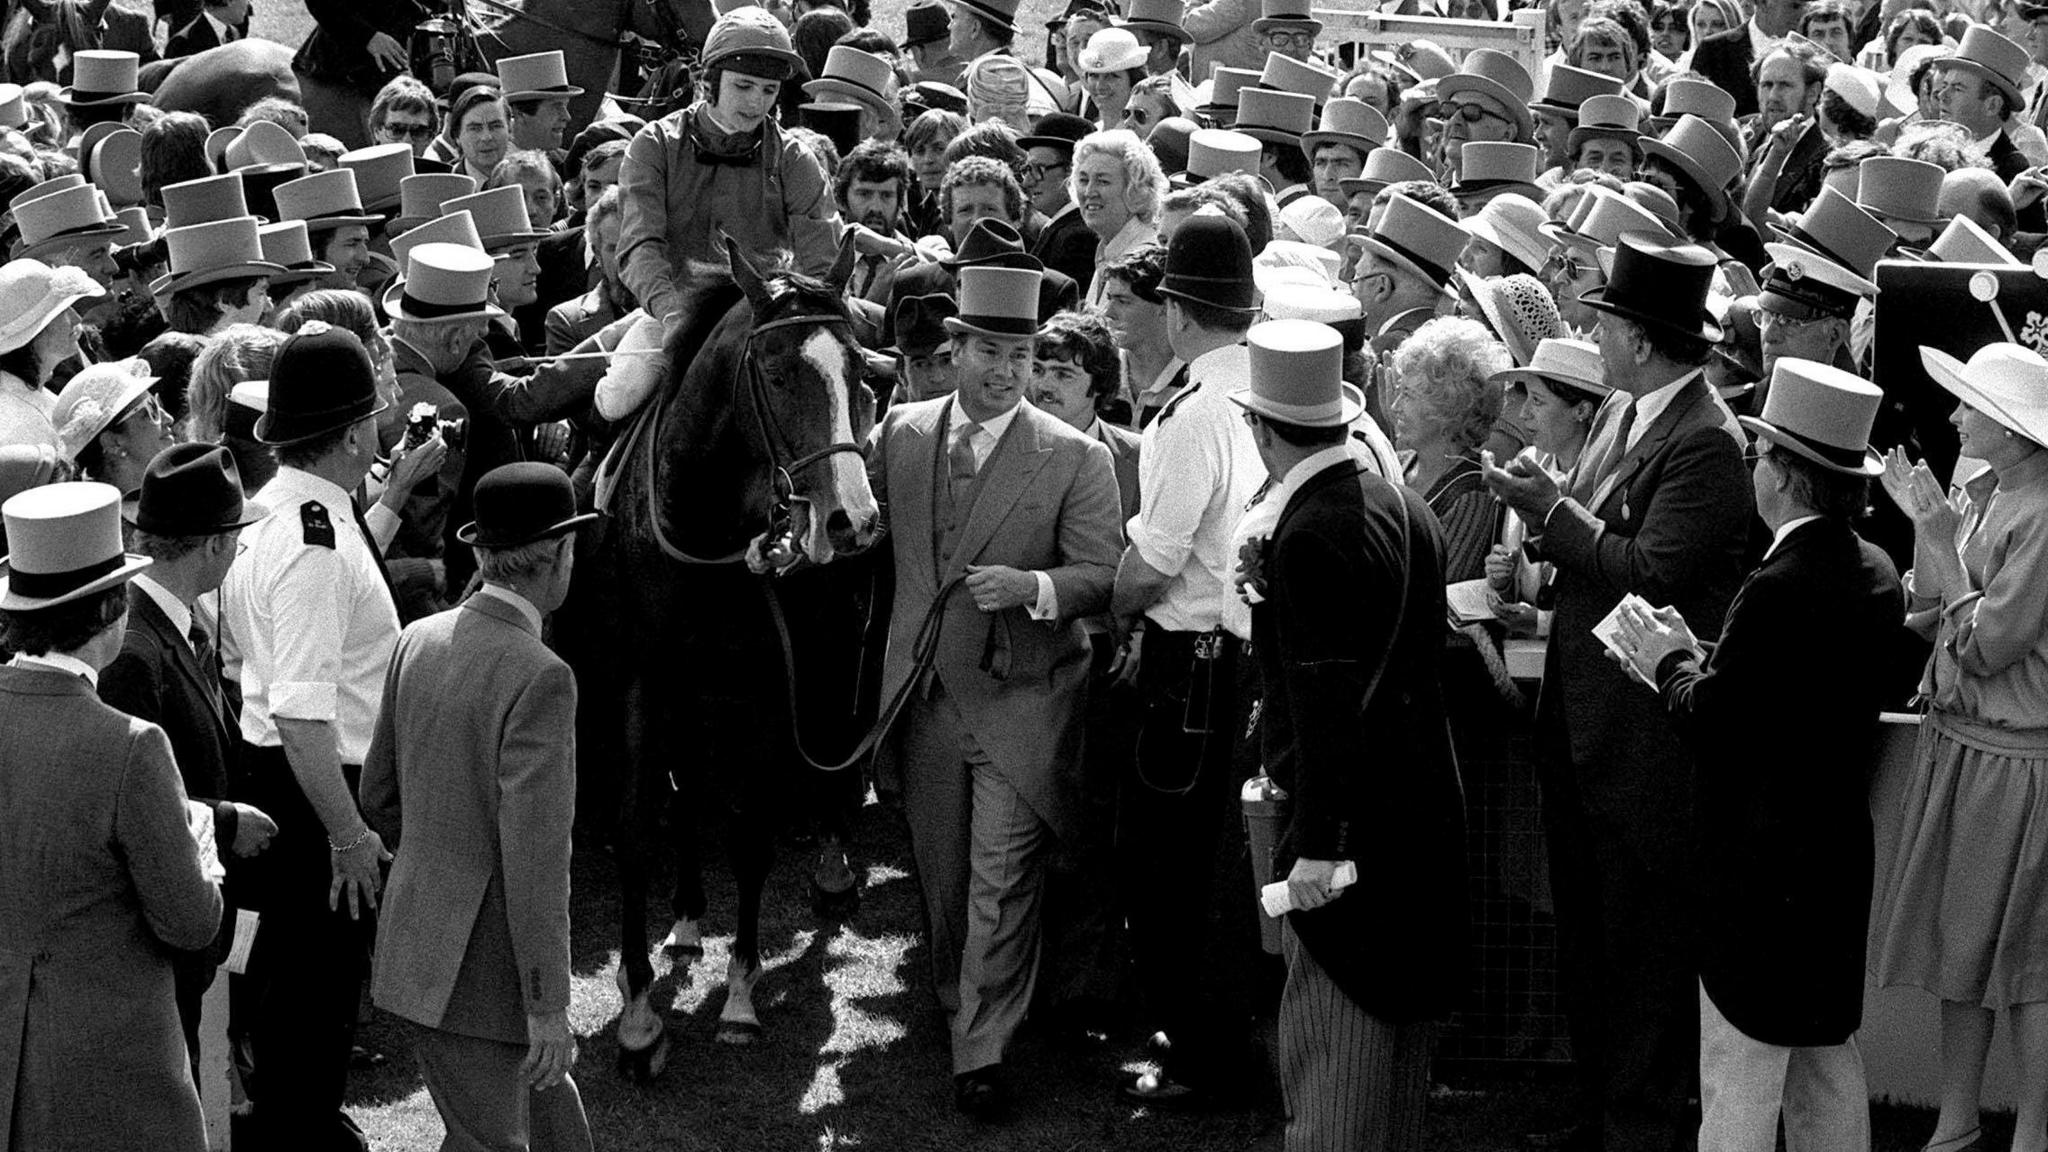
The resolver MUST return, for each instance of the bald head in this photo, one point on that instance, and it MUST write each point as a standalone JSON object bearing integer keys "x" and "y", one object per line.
{"x": 1979, "y": 194}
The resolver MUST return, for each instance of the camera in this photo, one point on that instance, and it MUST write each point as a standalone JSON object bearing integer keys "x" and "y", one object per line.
{"x": 424, "y": 419}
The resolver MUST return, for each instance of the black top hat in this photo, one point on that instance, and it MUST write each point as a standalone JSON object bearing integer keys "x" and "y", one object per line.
{"x": 1209, "y": 262}
{"x": 924, "y": 23}
{"x": 1660, "y": 283}
{"x": 193, "y": 490}
{"x": 320, "y": 382}
{"x": 1059, "y": 130}
{"x": 994, "y": 243}
{"x": 521, "y": 503}
{"x": 839, "y": 123}
{"x": 921, "y": 322}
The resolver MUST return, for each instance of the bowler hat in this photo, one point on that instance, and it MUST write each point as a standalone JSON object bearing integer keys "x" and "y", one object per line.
{"x": 101, "y": 76}
{"x": 521, "y": 503}
{"x": 928, "y": 23}
{"x": 1659, "y": 284}
{"x": 193, "y": 489}
{"x": 1059, "y": 131}
{"x": 443, "y": 283}
{"x": 1160, "y": 16}
{"x": 1350, "y": 122}
{"x": 287, "y": 244}
{"x": 1297, "y": 375}
{"x": 920, "y": 322}
{"x": 1169, "y": 141}
{"x": 539, "y": 76}
{"x": 997, "y": 301}
{"x": 1209, "y": 261}
{"x": 321, "y": 381}
{"x": 64, "y": 219}
{"x": 1820, "y": 413}
{"x": 204, "y": 200}
{"x": 323, "y": 200}
{"x": 209, "y": 253}
{"x": 64, "y": 544}
{"x": 993, "y": 243}
{"x": 1417, "y": 238}
{"x": 379, "y": 170}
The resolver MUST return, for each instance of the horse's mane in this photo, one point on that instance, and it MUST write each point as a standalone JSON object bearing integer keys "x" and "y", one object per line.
{"x": 710, "y": 292}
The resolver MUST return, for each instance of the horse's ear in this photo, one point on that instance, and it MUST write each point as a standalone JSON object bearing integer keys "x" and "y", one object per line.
{"x": 842, "y": 268}
{"x": 95, "y": 11}
{"x": 743, "y": 271}
{"x": 39, "y": 10}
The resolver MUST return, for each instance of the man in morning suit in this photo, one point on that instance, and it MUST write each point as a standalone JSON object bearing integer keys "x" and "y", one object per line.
{"x": 1004, "y": 525}
{"x": 1659, "y": 505}
{"x": 1979, "y": 87}
{"x": 1729, "y": 58}
{"x": 1785, "y": 835}
{"x": 988, "y": 243}
{"x": 168, "y": 672}
{"x": 471, "y": 780}
{"x": 1346, "y": 621}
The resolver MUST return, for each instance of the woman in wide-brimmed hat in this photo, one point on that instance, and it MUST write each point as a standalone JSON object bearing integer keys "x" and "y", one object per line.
{"x": 1964, "y": 911}
{"x": 111, "y": 423}
{"x": 38, "y": 331}
{"x": 1111, "y": 66}
{"x": 1559, "y": 390}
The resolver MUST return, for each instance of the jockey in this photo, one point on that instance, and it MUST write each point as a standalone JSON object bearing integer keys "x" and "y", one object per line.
{"x": 722, "y": 166}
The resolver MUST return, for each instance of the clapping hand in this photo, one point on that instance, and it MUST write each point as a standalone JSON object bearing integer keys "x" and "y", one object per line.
{"x": 1500, "y": 568}
{"x": 1647, "y": 637}
{"x": 1522, "y": 485}
{"x": 1919, "y": 495}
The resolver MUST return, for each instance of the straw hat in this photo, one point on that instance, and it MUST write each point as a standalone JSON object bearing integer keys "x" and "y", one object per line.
{"x": 65, "y": 219}
{"x": 1514, "y": 224}
{"x": 1575, "y": 364}
{"x": 288, "y": 245}
{"x": 1860, "y": 87}
{"x": 421, "y": 195}
{"x": 1350, "y": 122}
{"x": 444, "y": 283}
{"x": 1964, "y": 241}
{"x": 1498, "y": 75}
{"x": 96, "y": 399}
{"x": 65, "y": 542}
{"x": 997, "y": 301}
{"x": 1518, "y": 309}
{"x": 379, "y": 170}
{"x": 862, "y": 77}
{"x": 522, "y": 503}
{"x": 1384, "y": 166}
{"x": 1704, "y": 156}
{"x": 1297, "y": 375}
{"x": 209, "y": 253}
{"x": 500, "y": 213}
{"x": 1607, "y": 118}
{"x": 1112, "y": 50}
{"x": 1279, "y": 118}
{"x": 1822, "y": 414}
{"x": 539, "y": 76}
{"x": 1657, "y": 283}
{"x": 204, "y": 201}
{"x": 101, "y": 76}
{"x": 32, "y": 294}
{"x": 321, "y": 381}
{"x": 1286, "y": 16}
{"x": 1417, "y": 238}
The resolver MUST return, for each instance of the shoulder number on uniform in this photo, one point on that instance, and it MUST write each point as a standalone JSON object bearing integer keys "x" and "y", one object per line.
{"x": 319, "y": 530}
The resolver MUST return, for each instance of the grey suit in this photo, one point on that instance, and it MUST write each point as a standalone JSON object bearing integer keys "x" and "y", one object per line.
{"x": 1005, "y": 693}
{"x": 470, "y": 779}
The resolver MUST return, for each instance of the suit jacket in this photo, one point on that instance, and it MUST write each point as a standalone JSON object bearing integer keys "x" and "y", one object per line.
{"x": 1046, "y": 501}
{"x": 128, "y": 30}
{"x": 1057, "y": 292}
{"x": 158, "y": 678}
{"x": 2008, "y": 161}
{"x": 563, "y": 277}
{"x": 1375, "y": 784}
{"x": 1671, "y": 526}
{"x": 337, "y": 50}
{"x": 1800, "y": 180}
{"x": 192, "y": 39}
{"x": 471, "y": 781}
{"x": 1726, "y": 59}
{"x": 1123, "y": 456}
{"x": 99, "y": 883}
{"x": 573, "y": 321}
{"x": 1785, "y": 836}
{"x": 1067, "y": 246}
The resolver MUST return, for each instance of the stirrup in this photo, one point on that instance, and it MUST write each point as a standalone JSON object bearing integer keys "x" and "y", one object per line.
{"x": 1964, "y": 1143}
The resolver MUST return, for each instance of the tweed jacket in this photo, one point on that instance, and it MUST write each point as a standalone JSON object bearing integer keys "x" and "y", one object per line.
{"x": 99, "y": 884}
{"x": 471, "y": 781}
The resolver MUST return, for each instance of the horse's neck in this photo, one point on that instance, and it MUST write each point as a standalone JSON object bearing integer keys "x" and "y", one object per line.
{"x": 714, "y": 482}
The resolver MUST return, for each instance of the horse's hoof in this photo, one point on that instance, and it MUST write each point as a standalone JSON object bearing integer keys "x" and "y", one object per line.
{"x": 643, "y": 1066}
{"x": 739, "y": 1033}
{"x": 684, "y": 941}
{"x": 829, "y": 905}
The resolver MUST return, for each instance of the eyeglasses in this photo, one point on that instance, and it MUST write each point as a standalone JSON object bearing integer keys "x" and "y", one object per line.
{"x": 1292, "y": 39}
{"x": 1039, "y": 171}
{"x": 1473, "y": 113}
{"x": 407, "y": 131}
{"x": 1766, "y": 318}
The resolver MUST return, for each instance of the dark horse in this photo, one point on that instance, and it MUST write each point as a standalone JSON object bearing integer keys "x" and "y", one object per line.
{"x": 755, "y": 430}
{"x": 42, "y": 36}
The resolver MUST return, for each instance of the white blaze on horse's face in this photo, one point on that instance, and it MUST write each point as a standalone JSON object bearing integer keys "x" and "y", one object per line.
{"x": 850, "y": 492}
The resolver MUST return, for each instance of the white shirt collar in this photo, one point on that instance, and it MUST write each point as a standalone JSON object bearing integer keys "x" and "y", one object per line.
{"x": 525, "y": 606}
{"x": 179, "y": 615}
{"x": 221, "y": 31}
{"x": 288, "y": 480}
{"x": 992, "y": 428}
{"x": 1651, "y": 405}
{"x": 58, "y": 662}
{"x": 1784, "y": 530}
{"x": 1155, "y": 392}
{"x": 1306, "y": 470}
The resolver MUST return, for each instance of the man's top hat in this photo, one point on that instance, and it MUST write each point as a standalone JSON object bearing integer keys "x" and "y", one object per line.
{"x": 1297, "y": 375}
{"x": 37, "y": 191}
{"x": 1278, "y": 118}
{"x": 1002, "y": 13}
{"x": 443, "y": 283}
{"x": 260, "y": 182}
{"x": 1286, "y": 16}
{"x": 540, "y": 76}
{"x": 209, "y": 253}
{"x": 1059, "y": 131}
{"x": 64, "y": 544}
{"x": 13, "y": 107}
{"x": 1609, "y": 118}
{"x": 1844, "y": 233}
{"x": 1563, "y": 362}
{"x": 1995, "y": 58}
{"x": 1214, "y": 151}
{"x": 1286, "y": 74}
{"x": 112, "y": 158}
{"x": 1160, "y": 16}
{"x": 1498, "y": 75}
{"x": 1491, "y": 165}
{"x": 135, "y": 227}
{"x": 32, "y": 294}
{"x": 204, "y": 201}
{"x": 458, "y": 227}
{"x": 1687, "y": 97}
{"x": 26, "y": 466}
{"x": 1347, "y": 121}
{"x": 920, "y": 322}
{"x": 287, "y": 244}
{"x": 379, "y": 170}
{"x": 521, "y": 503}
{"x": 421, "y": 195}
{"x": 851, "y": 74}
{"x": 1570, "y": 88}
{"x": 102, "y": 76}
{"x": 1822, "y": 414}
{"x": 2007, "y": 382}
{"x": 1225, "y": 85}
{"x": 997, "y": 301}
{"x": 1660, "y": 284}
{"x": 63, "y": 220}
{"x": 836, "y": 121}
{"x": 1900, "y": 188}
{"x": 193, "y": 490}
{"x": 1384, "y": 166}
{"x": 1417, "y": 238}
{"x": 1209, "y": 261}
{"x": 1418, "y": 60}
{"x": 1704, "y": 156}
{"x": 1598, "y": 220}
{"x": 1964, "y": 241}
{"x": 262, "y": 142}
{"x": 992, "y": 243}
{"x": 323, "y": 200}
{"x": 500, "y": 213}
{"x": 1802, "y": 285}
{"x": 321, "y": 381}
{"x": 928, "y": 23}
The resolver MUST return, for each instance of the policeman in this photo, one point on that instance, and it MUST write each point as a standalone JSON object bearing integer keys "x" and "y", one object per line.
{"x": 308, "y": 615}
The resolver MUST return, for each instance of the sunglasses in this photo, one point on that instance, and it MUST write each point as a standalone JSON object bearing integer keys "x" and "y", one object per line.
{"x": 408, "y": 131}
{"x": 1472, "y": 113}
{"x": 1040, "y": 171}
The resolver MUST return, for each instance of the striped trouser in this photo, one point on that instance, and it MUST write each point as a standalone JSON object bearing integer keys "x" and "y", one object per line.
{"x": 1352, "y": 1082}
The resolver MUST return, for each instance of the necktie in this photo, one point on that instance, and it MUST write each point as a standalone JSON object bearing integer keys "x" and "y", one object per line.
{"x": 376, "y": 554}
{"x": 960, "y": 462}
{"x": 870, "y": 267}
{"x": 208, "y": 659}
{"x": 1600, "y": 456}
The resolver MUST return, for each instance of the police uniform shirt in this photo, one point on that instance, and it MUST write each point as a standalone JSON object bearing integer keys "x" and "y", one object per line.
{"x": 308, "y": 616}
{"x": 1198, "y": 469}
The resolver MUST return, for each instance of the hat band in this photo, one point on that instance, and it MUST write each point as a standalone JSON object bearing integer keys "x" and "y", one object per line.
{"x": 50, "y": 585}
{"x": 428, "y": 310}
{"x": 1840, "y": 457}
{"x": 1430, "y": 268}
{"x": 81, "y": 96}
{"x": 1003, "y": 325}
{"x": 75, "y": 232}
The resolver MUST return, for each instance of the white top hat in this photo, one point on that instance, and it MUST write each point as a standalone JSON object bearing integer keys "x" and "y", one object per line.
{"x": 997, "y": 302}
{"x": 208, "y": 253}
{"x": 262, "y": 142}
{"x": 443, "y": 283}
{"x": 856, "y": 75}
{"x": 457, "y": 227}
{"x": 1297, "y": 375}
{"x": 1214, "y": 151}
{"x": 104, "y": 76}
{"x": 204, "y": 200}
{"x": 65, "y": 218}
{"x": 540, "y": 76}
{"x": 1964, "y": 241}
{"x": 1821, "y": 413}
{"x": 65, "y": 544}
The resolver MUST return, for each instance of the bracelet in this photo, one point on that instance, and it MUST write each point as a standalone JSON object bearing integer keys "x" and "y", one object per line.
{"x": 352, "y": 845}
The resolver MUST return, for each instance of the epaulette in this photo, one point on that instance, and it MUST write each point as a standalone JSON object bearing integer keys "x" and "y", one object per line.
{"x": 319, "y": 530}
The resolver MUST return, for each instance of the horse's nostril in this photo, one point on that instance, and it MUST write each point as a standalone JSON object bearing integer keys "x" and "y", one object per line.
{"x": 838, "y": 525}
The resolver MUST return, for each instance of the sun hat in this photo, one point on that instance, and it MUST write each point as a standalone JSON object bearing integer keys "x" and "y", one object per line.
{"x": 208, "y": 253}
{"x": 193, "y": 489}
{"x": 1820, "y": 413}
{"x": 1297, "y": 375}
{"x": 64, "y": 544}
{"x": 379, "y": 169}
{"x": 32, "y": 294}
{"x": 1899, "y": 85}
{"x": 101, "y": 76}
{"x": 1287, "y": 16}
{"x": 997, "y": 301}
{"x": 537, "y": 76}
{"x": 852, "y": 74}
{"x": 500, "y": 213}
{"x": 1518, "y": 309}
{"x": 96, "y": 399}
{"x": 1209, "y": 261}
{"x": 1112, "y": 50}
{"x": 443, "y": 283}
{"x": 1350, "y": 122}
{"x": 1659, "y": 283}
{"x": 64, "y": 219}
{"x": 1384, "y": 166}
{"x": 2007, "y": 382}
{"x": 287, "y": 244}
{"x": 1573, "y": 363}
{"x": 748, "y": 38}
{"x": 1499, "y": 76}
{"x": 1965, "y": 241}
{"x": 321, "y": 381}
{"x": 1861, "y": 88}
{"x": 1513, "y": 224}
{"x": 1607, "y": 118}
{"x": 1417, "y": 238}
{"x": 521, "y": 503}
{"x": 204, "y": 200}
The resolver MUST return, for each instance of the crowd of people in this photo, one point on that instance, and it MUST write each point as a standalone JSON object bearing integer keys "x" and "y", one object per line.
{"x": 1240, "y": 398}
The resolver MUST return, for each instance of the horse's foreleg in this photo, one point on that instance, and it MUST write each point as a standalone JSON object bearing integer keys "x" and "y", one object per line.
{"x": 643, "y": 1039}
{"x": 835, "y": 796}
{"x": 750, "y": 844}
{"x": 685, "y": 940}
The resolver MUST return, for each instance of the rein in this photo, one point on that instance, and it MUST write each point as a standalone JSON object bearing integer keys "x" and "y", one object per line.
{"x": 521, "y": 14}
